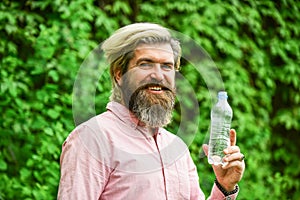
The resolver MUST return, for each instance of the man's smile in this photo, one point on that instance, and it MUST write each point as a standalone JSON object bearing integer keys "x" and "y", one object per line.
{"x": 155, "y": 88}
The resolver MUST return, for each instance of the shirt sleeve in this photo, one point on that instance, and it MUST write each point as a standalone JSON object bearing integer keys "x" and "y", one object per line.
{"x": 218, "y": 195}
{"x": 83, "y": 176}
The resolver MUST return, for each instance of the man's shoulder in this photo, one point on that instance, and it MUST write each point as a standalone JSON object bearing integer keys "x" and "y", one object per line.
{"x": 94, "y": 121}
{"x": 102, "y": 119}
{"x": 166, "y": 132}
{"x": 170, "y": 135}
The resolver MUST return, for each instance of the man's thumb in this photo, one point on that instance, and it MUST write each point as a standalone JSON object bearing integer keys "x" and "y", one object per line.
{"x": 205, "y": 148}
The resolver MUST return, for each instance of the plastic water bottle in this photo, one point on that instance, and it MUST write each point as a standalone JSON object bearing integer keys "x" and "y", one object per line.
{"x": 221, "y": 116}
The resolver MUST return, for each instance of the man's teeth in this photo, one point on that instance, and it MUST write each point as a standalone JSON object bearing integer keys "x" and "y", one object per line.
{"x": 156, "y": 88}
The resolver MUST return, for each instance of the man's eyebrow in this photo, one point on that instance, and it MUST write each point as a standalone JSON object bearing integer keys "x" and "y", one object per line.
{"x": 153, "y": 61}
{"x": 145, "y": 59}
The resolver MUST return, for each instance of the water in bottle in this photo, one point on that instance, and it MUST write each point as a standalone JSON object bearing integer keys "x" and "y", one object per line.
{"x": 221, "y": 116}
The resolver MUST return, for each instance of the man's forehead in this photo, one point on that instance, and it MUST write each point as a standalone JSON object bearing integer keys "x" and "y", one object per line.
{"x": 157, "y": 46}
{"x": 159, "y": 51}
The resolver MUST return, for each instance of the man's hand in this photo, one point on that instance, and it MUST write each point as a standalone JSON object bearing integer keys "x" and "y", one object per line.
{"x": 230, "y": 173}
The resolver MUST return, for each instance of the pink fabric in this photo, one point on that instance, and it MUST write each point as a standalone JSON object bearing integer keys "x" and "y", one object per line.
{"x": 112, "y": 157}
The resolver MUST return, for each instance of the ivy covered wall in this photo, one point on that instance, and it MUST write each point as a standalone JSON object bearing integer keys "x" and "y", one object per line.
{"x": 255, "y": 45}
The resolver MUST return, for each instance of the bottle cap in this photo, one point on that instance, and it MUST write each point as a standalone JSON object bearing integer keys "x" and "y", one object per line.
{"x": 222, "y": 95}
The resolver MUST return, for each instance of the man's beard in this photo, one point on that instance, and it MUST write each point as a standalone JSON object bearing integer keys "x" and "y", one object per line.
{"x": 154, "y": 110}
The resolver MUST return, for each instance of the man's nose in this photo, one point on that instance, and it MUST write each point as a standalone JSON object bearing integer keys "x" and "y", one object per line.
{"x": 157, "y": 73}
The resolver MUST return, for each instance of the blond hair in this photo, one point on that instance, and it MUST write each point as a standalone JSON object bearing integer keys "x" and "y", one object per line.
{"x": 119, "y": 48}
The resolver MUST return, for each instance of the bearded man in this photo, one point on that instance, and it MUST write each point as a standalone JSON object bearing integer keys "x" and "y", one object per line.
{"x": 125, "y": 153}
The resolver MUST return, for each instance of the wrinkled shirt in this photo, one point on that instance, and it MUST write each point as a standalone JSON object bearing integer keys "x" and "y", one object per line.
{"x": 113, "y": 157}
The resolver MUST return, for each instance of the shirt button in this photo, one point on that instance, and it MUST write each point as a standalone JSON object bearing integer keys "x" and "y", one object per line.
{"x": 228, "y": 198}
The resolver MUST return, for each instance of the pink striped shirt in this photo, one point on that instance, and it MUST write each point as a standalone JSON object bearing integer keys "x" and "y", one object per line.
{"x": 112, "y": 157}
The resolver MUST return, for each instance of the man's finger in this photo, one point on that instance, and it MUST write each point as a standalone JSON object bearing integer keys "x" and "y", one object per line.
{"x": 232, "y": 135}
{"x": 232, "y": 149}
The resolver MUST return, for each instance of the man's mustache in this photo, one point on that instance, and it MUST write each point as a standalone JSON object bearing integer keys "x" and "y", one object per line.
{"x": 147, "y": 85}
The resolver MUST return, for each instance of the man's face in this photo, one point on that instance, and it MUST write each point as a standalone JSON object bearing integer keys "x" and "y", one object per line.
{"x": 148, "y": 87}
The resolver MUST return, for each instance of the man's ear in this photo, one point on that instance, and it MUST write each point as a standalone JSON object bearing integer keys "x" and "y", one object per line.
{"x": 118, "y": 77}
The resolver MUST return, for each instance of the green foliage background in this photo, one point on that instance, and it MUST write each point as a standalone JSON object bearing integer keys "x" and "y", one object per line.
{"x": 255, "y": 44}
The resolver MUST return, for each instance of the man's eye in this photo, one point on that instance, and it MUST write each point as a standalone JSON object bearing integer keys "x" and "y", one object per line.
{"x": 167, "y": 67}
{"x": 145, "y": 65}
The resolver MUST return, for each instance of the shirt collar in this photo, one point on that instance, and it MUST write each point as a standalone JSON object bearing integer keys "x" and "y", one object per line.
{"x": 125, "y": 115}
